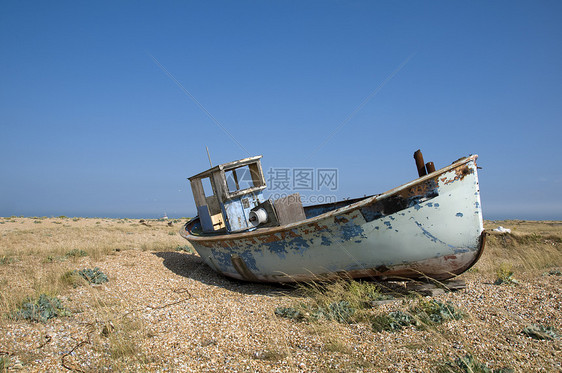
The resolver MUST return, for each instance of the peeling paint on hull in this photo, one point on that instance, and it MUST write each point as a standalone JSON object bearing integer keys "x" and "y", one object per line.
{"x": 431, "y": 227}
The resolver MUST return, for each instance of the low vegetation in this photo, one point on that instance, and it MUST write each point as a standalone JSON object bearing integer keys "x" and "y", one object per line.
{"x": 342, "y": 301}
{"x": 93, "y": 276}
{"x": 41, "y": 309}
{"x": 47, "y": 269}
{"x": 36, "y": 259}
{"x": 352, "y": 302}
{"x": 531, "y": 245}
{"x": 504, "y": 275}
{"x": 469, "y": 364}
{"x": 541, "y": 332}
{"x": 424, "y": 314}
{"x": 76, "y": 253}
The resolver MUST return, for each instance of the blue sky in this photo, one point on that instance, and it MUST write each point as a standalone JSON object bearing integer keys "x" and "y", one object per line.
{"x": 91, "y": 125}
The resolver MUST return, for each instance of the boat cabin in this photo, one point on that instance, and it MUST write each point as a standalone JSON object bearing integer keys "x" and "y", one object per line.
{"x": 226, "y": 194}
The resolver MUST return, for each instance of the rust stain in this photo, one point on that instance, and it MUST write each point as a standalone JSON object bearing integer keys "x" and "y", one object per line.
{"x": 318, "y": 227}
{"x": 268, "y": 238}
{"x": 421, "y": 189}
{"x": 341, "y": 219}
{"x": 460, "y": 174}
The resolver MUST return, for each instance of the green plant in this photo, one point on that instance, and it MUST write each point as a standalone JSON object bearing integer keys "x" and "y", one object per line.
{"x": 55, "y": 258}
{"x": 423, "y": 314}
{"x": 341, "y": 312}
{"x": 75, "y": 253}
{"x": 540, "y": 332}
{"x": 342, "y": 301}
{"x": 469, "y": 364}
{"x": 40, "y": 310}
{"x": 289, "y": 313}
{"x": 366, "y": 291}
{"x": 93, "y": 276}
{"x": 504, "y": 275}
{"x": 184, "y": 248}
{"x": 436, "y": 312}
{"x": 391, "y": 321}
{"x": 6, "y": 259}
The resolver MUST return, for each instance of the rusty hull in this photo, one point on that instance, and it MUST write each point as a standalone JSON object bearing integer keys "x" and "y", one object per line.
{"x": 430, "y": 227}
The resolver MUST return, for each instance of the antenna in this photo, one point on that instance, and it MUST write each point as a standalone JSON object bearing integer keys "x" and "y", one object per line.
{"x": 208, "y": 155}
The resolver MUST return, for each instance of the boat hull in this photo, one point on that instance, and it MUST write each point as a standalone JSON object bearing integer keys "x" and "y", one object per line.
{"x": 430, "y": 227}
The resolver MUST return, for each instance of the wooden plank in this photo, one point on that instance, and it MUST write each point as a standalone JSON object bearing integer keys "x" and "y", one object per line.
{"x": 218, "y": 181}
{"x": 218, "y": 221}
{"x": 214, "y": 206}
{"x": 289, "y": 209}
{"x": 456, "y": 284}
{"x": 198, "y": 192}
{"x": 257, "y": 174}
{"x": 437, "y": 288}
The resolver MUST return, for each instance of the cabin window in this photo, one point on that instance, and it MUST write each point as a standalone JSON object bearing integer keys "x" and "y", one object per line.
{"x": 241, "y": 178}
{"x": 207, "y": 188}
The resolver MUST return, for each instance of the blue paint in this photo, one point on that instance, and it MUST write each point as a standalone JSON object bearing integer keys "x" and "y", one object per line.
{"x": 205, "y": 218}
{"x": 430, "y": 204}
{"x": 233, "y": 209}
{"x": 417, "y": 207}
{"x": 282, "y": 247}
{"x": 249, "y": 260}
{"x": 326, "y": 241}
{"x": 459, "y": 214}
{"x": 436, "y": 205}
{"x": 299, "y": 244}
{"x": 432, "y": 237}
{"x": 222, "y": 260}
{"x": 351, "y": 230}
{"x": 277, "y": 247}
{"x": 388, "y": 224}
{"x": 476, "y": 204}
{"x": 460, "y": 251}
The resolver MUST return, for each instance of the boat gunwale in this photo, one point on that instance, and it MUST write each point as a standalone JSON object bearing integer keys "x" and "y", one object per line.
{"x": 342, "y": 210}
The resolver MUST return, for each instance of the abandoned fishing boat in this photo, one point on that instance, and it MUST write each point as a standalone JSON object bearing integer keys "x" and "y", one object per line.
{"x": 429, "y": 227}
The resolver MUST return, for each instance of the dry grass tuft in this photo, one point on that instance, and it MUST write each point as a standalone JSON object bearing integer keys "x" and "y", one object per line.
{"x": 530, "y": 246}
